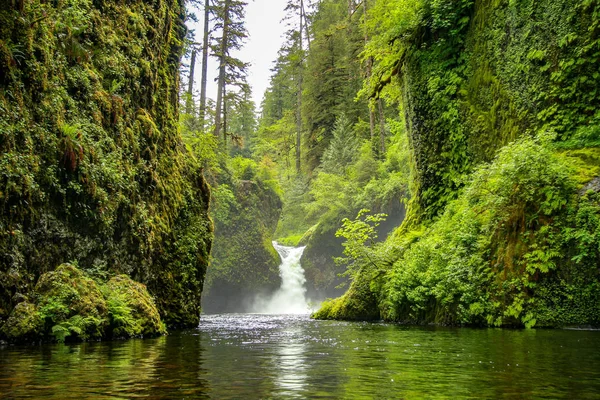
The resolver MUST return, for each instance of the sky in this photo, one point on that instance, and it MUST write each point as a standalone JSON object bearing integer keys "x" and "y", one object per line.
{"x": 263, "y": 22}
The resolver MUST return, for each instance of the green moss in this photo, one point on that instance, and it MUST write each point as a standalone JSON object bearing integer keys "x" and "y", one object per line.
{"x": 292, "y": 241}
{"x": 24, "y": 323}
{"x": 359, "y": 303}
{"x": 132, "y": 312}
{"x": 69, "y": 305}
{"x": 586, "y": 163}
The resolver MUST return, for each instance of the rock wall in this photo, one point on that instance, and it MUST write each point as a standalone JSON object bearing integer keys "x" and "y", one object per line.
{"x": 92, "y": 168}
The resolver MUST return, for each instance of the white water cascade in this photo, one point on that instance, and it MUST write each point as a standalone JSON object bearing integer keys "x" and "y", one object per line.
{"x": 290, "y": 298}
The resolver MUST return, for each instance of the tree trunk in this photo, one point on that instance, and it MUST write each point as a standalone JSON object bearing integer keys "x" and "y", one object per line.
{"x": 204, "y": 63}
{"x": 372, "y": 123}
{"x": 189, "y": 103}
{"x": 224, "y": 113}
{"x": 221, "y": 81}
{"x": 303, "y": 16}
{"x": 299, "y": 109}
{"x": 381, "y": 129}
{"x": 351, "y": 7}
{"x": 369, "y": 72}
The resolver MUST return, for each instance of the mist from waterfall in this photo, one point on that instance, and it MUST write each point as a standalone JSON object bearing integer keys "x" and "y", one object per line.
{"x": 290, "y": 298}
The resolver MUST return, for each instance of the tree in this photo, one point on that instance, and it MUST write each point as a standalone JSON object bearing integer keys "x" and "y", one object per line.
{"x": 189, "y": 102}
{"x": 241, "y": 121}
{"x": 333, "y": 77}
{"x": 343, "y": 148}
{"x": 295, "y": 9}
{"x": 205, "y": 40}
{"x": 229, "y": 18}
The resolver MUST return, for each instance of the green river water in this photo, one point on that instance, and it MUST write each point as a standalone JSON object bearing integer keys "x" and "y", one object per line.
{"x": 249, "y": 356}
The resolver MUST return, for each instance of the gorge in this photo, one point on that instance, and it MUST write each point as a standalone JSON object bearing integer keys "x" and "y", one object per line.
{"x": 423, "y": 176}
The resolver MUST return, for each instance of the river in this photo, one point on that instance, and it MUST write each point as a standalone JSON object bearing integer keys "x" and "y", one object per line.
{"x": 290, "y": 356}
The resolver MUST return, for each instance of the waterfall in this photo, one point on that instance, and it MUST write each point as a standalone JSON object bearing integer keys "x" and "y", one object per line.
{"x": 290, "y": 298}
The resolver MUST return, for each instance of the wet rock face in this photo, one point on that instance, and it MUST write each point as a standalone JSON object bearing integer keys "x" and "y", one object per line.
{"x": 593, "y": 185}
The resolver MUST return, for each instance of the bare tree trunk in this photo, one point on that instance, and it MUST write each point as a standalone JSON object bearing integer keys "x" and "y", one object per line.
{"x": 303, "y": 15}
{"x": 351, "y": 7}
{"x": 224, "y": 113}
{"x": 372, "y": 122}
{"x": 381, "y": 129}
{"x": 204, "y": 63}
{"x": 221, "y": 81}
{"x": 299, "y": 109}
{"x": 189, "y": 102}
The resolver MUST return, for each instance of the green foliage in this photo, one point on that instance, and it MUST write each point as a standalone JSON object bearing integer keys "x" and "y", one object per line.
{"x": 204, "y": 146}
{"x": 516, "y": 246}
{"x": 340, "y": 172}
{"x": 131, "y": 310}
{"x": 360, "y": 248}
{"x": 343, "y": 148}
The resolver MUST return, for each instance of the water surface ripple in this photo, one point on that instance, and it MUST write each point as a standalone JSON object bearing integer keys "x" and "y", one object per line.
{"x": 269, "y": 356}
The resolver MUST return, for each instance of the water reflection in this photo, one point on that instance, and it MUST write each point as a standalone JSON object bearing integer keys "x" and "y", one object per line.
{"x": 291, "y": 362}
{"x": 155, "y": 368}
{"x": 261, "y": 356}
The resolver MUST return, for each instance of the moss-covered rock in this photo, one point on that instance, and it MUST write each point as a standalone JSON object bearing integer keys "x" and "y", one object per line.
{"x": 131, "y": 310}
{"x": 359, "y": 303}
{"x": 24, "y": 323}
{"x": 71, "y": 304}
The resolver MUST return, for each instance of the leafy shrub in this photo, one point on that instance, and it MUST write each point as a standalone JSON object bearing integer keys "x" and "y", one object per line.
{"x": 360, "y": 247}
{"x": 518, "y": 247}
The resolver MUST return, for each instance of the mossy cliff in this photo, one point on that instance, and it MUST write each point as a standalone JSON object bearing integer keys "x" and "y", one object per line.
{"x": 244, "y": 262}
{"x": 92, "y": 168}
{"x": 476, "y": 75}
{"x": 501, "y": 103}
